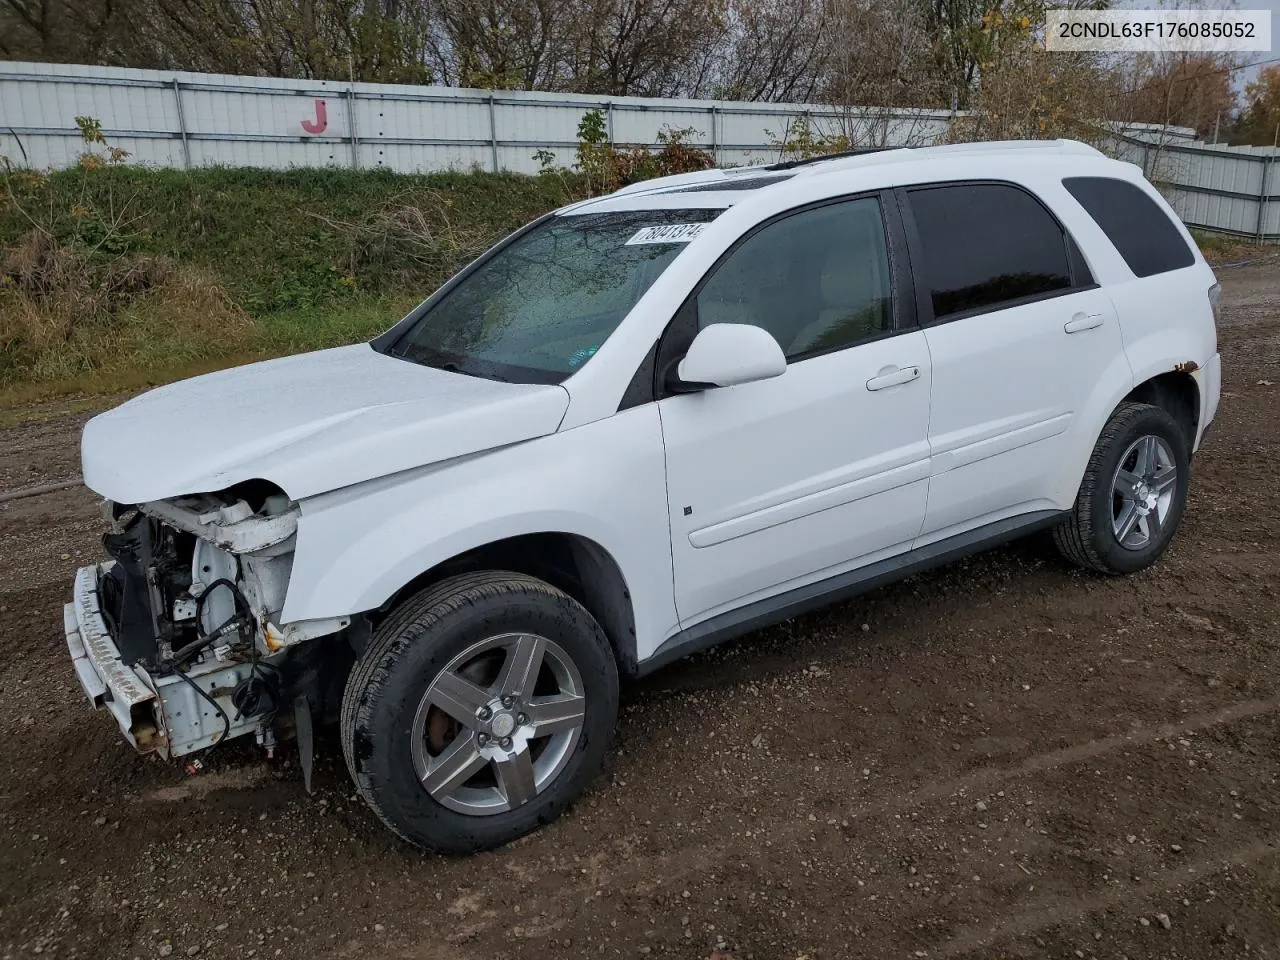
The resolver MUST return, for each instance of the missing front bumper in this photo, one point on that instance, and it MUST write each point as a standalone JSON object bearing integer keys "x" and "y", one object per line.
{"x": 107, "y": 682}
{"x": 163, "y": 715}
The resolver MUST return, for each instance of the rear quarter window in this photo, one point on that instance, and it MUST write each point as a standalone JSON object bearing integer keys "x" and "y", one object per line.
{"x": 1144, "y": 235}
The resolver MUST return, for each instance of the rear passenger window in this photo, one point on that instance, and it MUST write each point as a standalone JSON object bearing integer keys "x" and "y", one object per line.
{"x": 987, "y": 244}
{"x": 1134, "y": 223}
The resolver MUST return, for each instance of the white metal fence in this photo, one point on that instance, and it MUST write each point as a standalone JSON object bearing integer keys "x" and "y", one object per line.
{"x": 195, "y": 119}
{"x": 1212, "y": 186}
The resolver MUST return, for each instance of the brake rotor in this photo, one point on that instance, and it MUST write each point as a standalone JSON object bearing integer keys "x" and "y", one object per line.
{"x": 442, "y": 728}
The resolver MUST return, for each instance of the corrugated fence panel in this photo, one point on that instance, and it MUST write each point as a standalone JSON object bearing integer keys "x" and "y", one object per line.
{"x": 643, "y": 126}
{"x": 424, "y": 158}
{"x": 739, "y": 157}
{"x": 547, "y": 126}
{"x": 1215, "y": 169}
{"x": 1234, "y": 214}
{"x": 178, "y": 119}
{"x": 1270, "y": 219}
{"x": 755, "y": 128}
{"x": 401, "y": 120}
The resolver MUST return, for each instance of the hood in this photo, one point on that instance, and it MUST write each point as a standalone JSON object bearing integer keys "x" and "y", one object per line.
{"x": 308, "y": 423}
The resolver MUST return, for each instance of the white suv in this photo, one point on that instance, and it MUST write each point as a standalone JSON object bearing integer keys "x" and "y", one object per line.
{"x": 639, "y": 426}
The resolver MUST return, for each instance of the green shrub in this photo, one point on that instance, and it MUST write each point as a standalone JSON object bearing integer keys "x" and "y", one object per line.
{"x": 106, "y": 269}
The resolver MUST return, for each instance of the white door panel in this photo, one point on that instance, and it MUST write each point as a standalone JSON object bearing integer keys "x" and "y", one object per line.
{"x": 772, "y": 482}
{"x": 988, "y": 490}
{"x": 970, "y": 444}
{"x": 1007, "y": 389}
{"x": 793, "y": 503}
{"x": 722, "y": 577}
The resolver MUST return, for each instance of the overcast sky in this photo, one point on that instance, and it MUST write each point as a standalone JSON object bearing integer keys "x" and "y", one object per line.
{"x": 1244, "y": 76}
{"x": 1240, "y": 77}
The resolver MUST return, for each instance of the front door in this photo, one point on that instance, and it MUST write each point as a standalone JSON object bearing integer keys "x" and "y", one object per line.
{"x": 781, "y": 482}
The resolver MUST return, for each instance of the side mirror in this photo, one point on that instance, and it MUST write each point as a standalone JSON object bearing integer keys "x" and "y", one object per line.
{"x": 727, "y": 354}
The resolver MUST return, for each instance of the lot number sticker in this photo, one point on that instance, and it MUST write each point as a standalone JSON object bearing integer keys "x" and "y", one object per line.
{"x": 670, "y": 233}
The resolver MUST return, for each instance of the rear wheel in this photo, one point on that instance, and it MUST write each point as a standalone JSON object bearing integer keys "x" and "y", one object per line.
{"x": 1133, "y": 493}
{"x": 479, "y": 710}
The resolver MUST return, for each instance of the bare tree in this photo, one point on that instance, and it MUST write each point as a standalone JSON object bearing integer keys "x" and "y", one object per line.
{"x": 1179, "y": 88}
{"x": 70, "y": 31}
{"x": 609, "y": 47}
{"x": 955, "y": 28}
{"x": 375, "y": 40}
{"x": 499, "y": 43}
{"x": 777, "y": 50}
{"x": 652, "y": 48}
{"x": 879, "y": 70}
{"x": 1027, "y": 93}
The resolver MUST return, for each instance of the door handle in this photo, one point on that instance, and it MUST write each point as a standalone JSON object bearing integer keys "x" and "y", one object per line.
{"x": 1084, "y": 321}
{"x": 892, "y": 377}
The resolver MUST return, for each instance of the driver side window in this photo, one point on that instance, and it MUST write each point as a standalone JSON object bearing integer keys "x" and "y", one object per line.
{"x": 817, "y": 280}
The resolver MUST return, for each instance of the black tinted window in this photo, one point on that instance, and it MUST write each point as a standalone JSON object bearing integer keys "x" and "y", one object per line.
{"x": 1134, "y": 223}
{"x": 816, "y": 280}
{"x": 986, "y": 244}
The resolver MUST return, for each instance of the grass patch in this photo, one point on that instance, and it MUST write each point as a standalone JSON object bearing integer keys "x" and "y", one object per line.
{"x": 155, "y": 347}
{"x": 22, "y": 411}
{"x": 362, "y": 318}
{"x": 115, "y": 279}
{"x": 119, "y": 278}
{"x": 1220, "y": 248}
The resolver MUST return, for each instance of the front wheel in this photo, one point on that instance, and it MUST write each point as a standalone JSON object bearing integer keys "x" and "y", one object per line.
{"x": 1133, "y": 493}
{"x": 479, "y": 710}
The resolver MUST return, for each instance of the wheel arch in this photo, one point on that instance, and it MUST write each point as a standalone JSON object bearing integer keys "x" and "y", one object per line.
{"x": 1172, "y": 386}
{"x": 1177, "y": 392}
{"x": 570, "y": 562}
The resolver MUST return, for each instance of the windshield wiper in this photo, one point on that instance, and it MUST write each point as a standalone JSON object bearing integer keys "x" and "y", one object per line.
{"x": 449, "y": 362}
{"x": 429, "y": 357}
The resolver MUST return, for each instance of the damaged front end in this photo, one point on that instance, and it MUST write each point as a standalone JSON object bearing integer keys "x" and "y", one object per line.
{"x": 179, "y": 636}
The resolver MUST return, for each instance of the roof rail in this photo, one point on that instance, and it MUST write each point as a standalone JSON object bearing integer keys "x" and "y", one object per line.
{"x": 1013, "y": 146}
{"x": 671, "y": 180}
{"x": 805, "y": 161}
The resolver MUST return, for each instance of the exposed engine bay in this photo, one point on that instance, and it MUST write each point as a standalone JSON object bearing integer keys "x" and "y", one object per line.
{"x": 179, "y": 635}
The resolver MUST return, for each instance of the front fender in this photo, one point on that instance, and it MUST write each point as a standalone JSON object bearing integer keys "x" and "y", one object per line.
{"x": 604, "y": 481}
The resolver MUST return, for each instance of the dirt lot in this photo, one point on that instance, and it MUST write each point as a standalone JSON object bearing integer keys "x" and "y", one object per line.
{"x": 1006, "y": 758}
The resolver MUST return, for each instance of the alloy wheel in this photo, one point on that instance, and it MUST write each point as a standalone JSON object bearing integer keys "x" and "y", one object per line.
{"x": 498, "y": 724}
{"x": 1142, "y": 492}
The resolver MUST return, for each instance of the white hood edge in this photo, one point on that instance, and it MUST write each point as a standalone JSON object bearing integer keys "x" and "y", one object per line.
{"x": 309, "y": 423}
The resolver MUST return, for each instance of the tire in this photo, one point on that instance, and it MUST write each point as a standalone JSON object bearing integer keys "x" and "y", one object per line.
{"x": 1089, "y": 536}
{"x": 402, "y": 700}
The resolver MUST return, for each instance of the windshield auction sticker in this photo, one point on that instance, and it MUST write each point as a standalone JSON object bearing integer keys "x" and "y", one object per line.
{"x": 668, "y": 233}
{"x": 1211, "y": 31}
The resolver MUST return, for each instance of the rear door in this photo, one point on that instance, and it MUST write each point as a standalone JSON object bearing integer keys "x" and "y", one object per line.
{"x": 1019, "y": 336}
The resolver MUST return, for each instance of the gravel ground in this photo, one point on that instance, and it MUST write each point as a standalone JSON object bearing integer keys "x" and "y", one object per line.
{"x": 1004, "y": 758}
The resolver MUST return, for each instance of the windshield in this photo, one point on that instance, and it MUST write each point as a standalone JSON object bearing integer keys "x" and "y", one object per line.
{"x": 539, "y": 308}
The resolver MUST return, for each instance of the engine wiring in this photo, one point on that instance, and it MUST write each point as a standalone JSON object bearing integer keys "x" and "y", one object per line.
{"x": 242, "y": 616}
{"x": 241, "y": 603}
{"x": 173, "y": 665}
